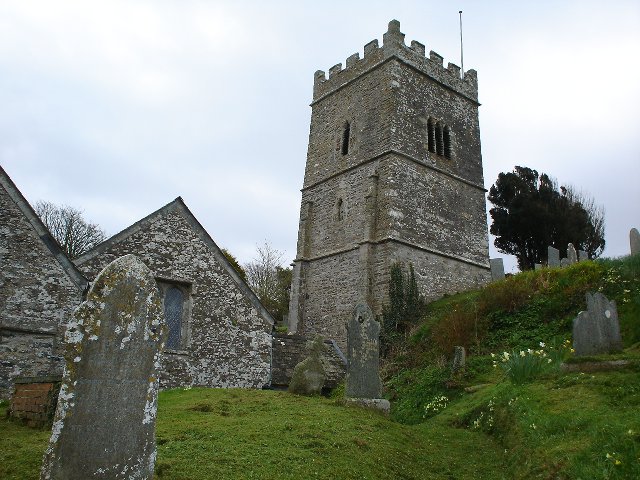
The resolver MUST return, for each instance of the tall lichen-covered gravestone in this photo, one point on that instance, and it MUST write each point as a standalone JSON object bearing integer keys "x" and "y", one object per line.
{"x": 497, "y": 269}
{"x": 597, "y": 330}
{"x": 634, "y": 241}
{"x": 104, "y": 425}
{"x": 363, "y": 384}
{"x": 553, "y": 257}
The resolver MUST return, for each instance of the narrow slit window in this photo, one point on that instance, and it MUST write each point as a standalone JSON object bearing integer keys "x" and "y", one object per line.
{"x": 345, "y": 138}
{"x": 447, "y": 142}
{"x": 173, "y": 309}
{"x": 431, "y": 136}
{"x": 439, "y": 140}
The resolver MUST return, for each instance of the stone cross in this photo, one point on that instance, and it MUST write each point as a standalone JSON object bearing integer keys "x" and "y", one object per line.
{"x": 104, "y": 425}
{"x": 363, "y": 333}
{"x": 572, "y": 255}
{"x": 553, "y": 257}
{"x": 634, "y": 241}
{"x": 497, "y": 269}
{"x": 597, "y": 330}
{"x": 309, "y": 375}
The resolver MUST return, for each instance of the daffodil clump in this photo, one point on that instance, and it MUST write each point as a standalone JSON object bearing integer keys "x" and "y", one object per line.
{"x": 435, "y": 406}
{"x": 526, "y": 365}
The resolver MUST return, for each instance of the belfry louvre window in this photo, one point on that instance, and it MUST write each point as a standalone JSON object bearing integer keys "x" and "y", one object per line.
{"x": 346, "y": 133}
{"x": 173, "y": 313}
{"x": 439, "y": 138}
{"x": 431, "y": 135}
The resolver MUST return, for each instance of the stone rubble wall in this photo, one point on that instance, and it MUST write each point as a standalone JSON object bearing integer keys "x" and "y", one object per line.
{"x": 228, "y": 342}
{"x": 37, "y": 297}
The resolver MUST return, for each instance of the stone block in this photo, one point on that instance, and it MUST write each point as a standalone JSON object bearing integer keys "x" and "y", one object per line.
{"x": 459, "y": 359}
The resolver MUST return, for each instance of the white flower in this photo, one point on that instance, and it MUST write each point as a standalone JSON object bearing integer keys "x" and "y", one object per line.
{"x": 522, "y": 353}
{"x": 542, "y": 344}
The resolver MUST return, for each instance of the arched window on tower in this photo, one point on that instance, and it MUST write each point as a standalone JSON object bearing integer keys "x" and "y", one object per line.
{"x": 439, "y": 139}
{"x": 346, "y": 133}
{"x": 431, "y": 135}
{"x": 447, "y": 142}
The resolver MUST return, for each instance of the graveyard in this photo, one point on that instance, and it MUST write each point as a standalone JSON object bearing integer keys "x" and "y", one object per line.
{"x": 577, "y": 419}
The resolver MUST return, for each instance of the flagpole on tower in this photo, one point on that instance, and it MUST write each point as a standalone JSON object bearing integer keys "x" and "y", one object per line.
{"x": 461, "y": 52}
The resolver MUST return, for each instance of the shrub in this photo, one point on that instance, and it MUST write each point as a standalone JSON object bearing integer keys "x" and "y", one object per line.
{"x": 527, "y": 365}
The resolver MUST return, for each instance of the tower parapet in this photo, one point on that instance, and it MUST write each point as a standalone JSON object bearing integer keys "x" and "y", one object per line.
{"x": 394, "y": 47}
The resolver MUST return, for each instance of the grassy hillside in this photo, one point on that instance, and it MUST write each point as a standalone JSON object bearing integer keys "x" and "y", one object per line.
{"x": 476, "y": 424}
{"x": 557, "y": 425}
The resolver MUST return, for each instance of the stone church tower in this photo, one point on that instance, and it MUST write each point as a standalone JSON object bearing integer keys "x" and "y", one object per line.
{"x": 393, "y": 174}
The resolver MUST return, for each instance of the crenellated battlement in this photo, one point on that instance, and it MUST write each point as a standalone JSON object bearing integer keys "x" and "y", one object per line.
{"x": 394, "y": 46}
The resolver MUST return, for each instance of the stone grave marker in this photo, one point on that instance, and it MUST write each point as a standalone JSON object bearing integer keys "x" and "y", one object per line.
{"x": 582, "y": 256}
{"x": 309, "y": 375}
{"x": 104, "y": 426}
{"x": 565, "y": 262}
{"x": 553, "y": 257}
{"x": 363, "y": 384}
{"x": 634, "y": 241}
{"x": 497, "y": 269}
{"x": 459, "y": 359}
{"x": 537, "y": 266}
{"x": 597, "y": 330}
{"x": 572, "y": 255}
{"x": 363, "y": 355}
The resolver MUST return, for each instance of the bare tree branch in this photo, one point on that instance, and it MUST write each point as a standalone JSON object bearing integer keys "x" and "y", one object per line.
{"x": 67, "y": 225}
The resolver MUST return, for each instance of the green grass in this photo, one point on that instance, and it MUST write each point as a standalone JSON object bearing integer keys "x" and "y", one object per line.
{"x": 557, "y": 425}
{"x": 244, "y": 434}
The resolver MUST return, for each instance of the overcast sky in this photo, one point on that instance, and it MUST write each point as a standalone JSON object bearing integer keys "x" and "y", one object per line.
{"x": 117, "y": 107}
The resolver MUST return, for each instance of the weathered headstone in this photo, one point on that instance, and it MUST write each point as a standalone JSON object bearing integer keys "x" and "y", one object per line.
{"x": 104, "y": 425}
{"x": 553, "y": 257}
{"x": 537, "y": 266}
{"x": 572, "y": 255}
{"x": 363, "y": 384}
{"x": 564, "y": 262}
{"x": 597, "y": 330}
{"x": 309, "y": 375}
{"x": 459, "y": 359}
{"x": 634, "y": 241}
{"x": 582, "y": 256}
{"x": 497, "y": 269}
{"x": 363, "y": 357}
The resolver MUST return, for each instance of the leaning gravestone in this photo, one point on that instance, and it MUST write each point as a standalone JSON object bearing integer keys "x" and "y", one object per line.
{"x": 497, "y": 269}
{"x": 309, "y": 375}
{"x": 363, "y": 355}
{"x": 572, "y": 255}
{"x": 553, "y": 257}
{"x": 634, "y": 241}
{"x": 597, "y": 330}
{"x": 104, "y": 425}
